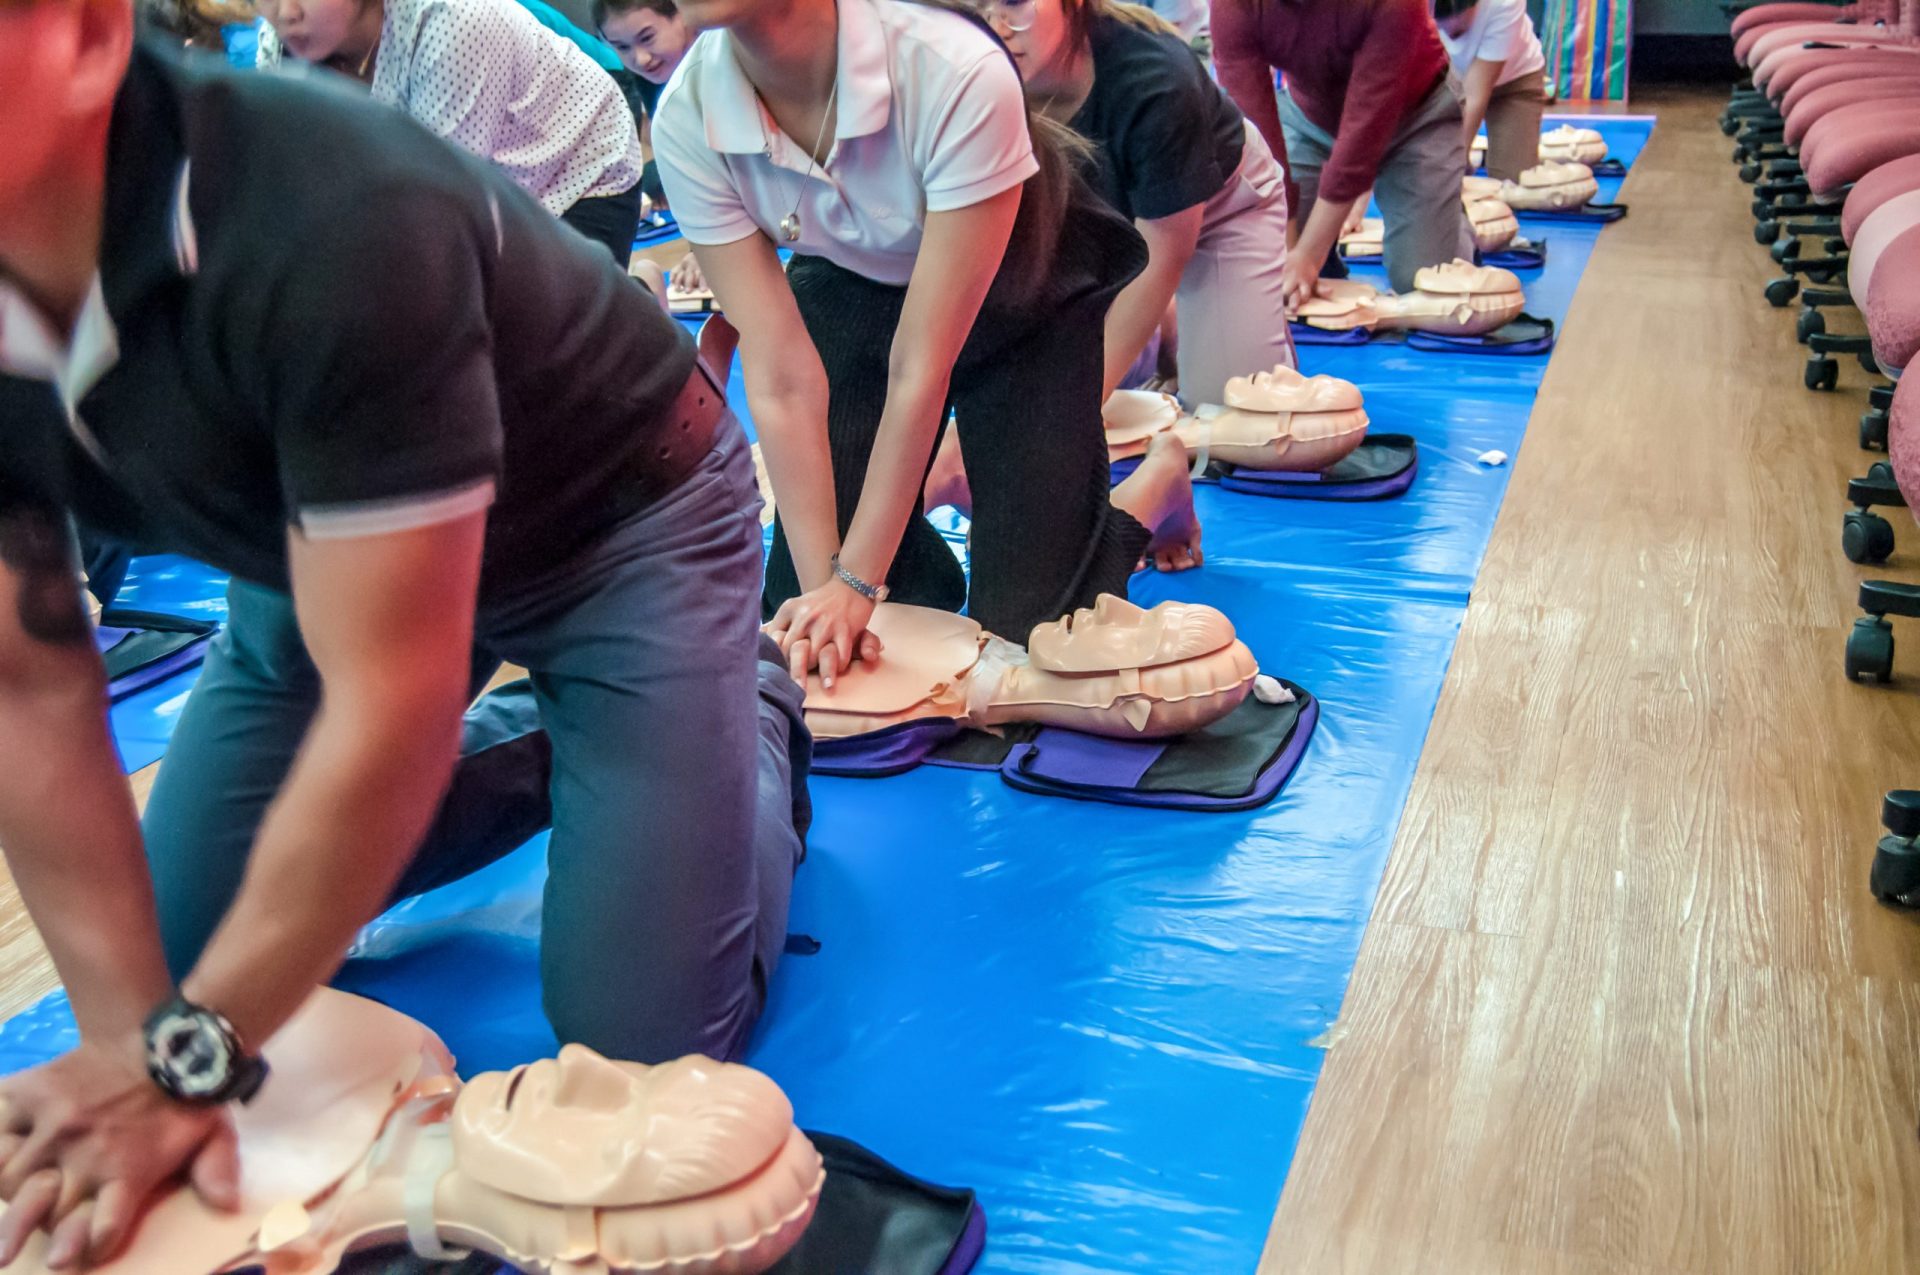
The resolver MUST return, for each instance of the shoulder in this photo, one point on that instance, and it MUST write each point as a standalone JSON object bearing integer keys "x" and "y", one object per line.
{"x": 356, "y": 154}
{"x": 1134, "y": 67}
{"x": 677, "y": 104}
{"x": 931, "y": 40}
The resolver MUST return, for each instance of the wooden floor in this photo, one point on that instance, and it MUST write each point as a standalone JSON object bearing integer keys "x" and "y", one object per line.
{"x": 1626, "y": 1005}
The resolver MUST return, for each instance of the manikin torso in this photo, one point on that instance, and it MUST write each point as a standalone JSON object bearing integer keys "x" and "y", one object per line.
{"x": 1277, "y": 420}
{"x": 1113, "y": 669}
{"x": 1459, "y": 298}
{"x": 574, "y": 1166}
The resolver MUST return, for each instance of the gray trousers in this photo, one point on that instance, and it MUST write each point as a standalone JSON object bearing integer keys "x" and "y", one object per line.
{"x": 1513, "y": 126}
{"x": 1417, "y": 187}
{"x": 654, "y": 733}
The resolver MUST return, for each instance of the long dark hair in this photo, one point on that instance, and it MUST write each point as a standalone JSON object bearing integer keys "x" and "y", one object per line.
{"x": 1049, "y": 193}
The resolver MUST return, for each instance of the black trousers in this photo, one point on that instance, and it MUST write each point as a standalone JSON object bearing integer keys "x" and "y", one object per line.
{"x": 608, "y": 220}
{"x": 1026, "y": 400}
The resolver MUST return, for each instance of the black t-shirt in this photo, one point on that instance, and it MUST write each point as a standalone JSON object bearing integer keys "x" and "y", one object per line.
{"x": 327, "y": 317}
{"x": 1165, "y": 136}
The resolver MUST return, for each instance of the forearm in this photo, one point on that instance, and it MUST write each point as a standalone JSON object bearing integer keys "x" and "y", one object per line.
{"x": 896, "y": 469}
{"x": 1321, "y": 232}
{"x": 73, "y": 844}
{"x": 793, "y": 443}
{"x": 1134, "y": 317}
{"x": 1476, "y": 96}
{"x": 355, "y": 807}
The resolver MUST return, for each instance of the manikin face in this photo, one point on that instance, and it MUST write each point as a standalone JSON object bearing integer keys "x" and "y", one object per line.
{"x": 649, "y": 44}
{"x": 311, "y": 30}
{"x": 584, "y": 1130}
{"x": 1036, "y": 32}
{"x": 1115, "y": 634}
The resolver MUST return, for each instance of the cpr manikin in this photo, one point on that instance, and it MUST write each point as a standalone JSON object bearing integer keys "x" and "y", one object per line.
{"x": 1459, "y": 299}
{"x": 1578, "y": 145}
{"x": 1113, "y": 669}
{"x": 1493, "y": 222}
{"x": 1278, "y": 420}
{"x": 363, "y": 1135}
{"x": 1552, "y": 186}
{"x": 1574, "y": 145}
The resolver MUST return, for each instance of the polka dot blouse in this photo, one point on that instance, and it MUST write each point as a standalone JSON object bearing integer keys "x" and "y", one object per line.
{"x": 485, "y": 75}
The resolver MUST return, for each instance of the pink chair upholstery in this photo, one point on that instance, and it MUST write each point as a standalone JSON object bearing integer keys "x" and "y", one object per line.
{"x": 1893, "y": 307}
{"x": 1877, "y": 234}
{"x": 1903, "y": 439}
{"x": 1786, "y": 55}
{"x": 1845, "y": 145}
{"x": 1876, "y": 188}
{"x": 1868, "y": 64}
{"x": 1767, "y": 14}
{"x": 1852, "y": 92}
{"x": 1753, "y": 47}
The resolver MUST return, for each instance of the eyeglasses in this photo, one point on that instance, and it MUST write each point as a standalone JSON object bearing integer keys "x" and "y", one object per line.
{"x": 1014, "y": 15}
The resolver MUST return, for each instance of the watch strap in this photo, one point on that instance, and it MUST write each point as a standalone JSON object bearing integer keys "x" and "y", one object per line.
{"x": 871, "y": 592}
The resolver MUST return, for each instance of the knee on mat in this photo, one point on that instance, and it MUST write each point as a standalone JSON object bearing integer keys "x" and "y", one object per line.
{"x": 654, "y": 1030}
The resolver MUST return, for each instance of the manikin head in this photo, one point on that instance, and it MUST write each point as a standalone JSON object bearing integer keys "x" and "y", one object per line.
{"x": 319, "y": 30}
{"x": 587, "y": 1130}
{"x": 61, "y": 62}
{"x": 1459, "y": 276}
{"x": 1454, "y": 16}
{"x": 1116, "y": 634}
{"x": 649, "y": 36}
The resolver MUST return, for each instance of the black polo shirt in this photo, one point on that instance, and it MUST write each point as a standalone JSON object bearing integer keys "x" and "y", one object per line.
{"x": 328, "y": 318}
{"x": 1165, "y": 136}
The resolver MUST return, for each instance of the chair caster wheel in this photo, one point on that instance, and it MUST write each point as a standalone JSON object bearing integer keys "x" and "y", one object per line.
{"x": 1821, "y": 374}
{"x": 1781, "y": 291}
{"x": 1881, "y": 471}
{"x": 1869, "y": 364}
{"x": 1750, "y": 172}
{"x": 1895, "y": 877}
{"x": 1809, "y": 323}
{"x": 1739, "y": 152}
{"x": 1870, "y": 650}
{"x": 1729, "y": 124}
{"x": 1866, "y": 537}
{"x": 1784, "y": 251}
{"x": 1766, "y": 231}
{"x": 1873, "y": 431}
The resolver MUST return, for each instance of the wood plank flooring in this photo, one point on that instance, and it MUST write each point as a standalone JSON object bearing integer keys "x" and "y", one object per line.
{"x": 1626, "y": 1004}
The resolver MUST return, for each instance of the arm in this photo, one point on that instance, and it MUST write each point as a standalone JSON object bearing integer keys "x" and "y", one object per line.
{"x": 786, "y": 392}
{"x": 1244, "y": 72}
{"x": 66, "y": 814}
{"x": 1141, "y": 305}
{"x": 388, "y": 621}
{"x": 1482, "y": 77}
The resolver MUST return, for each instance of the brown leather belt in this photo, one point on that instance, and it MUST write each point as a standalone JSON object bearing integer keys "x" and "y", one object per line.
{"x": 686, "y": 435}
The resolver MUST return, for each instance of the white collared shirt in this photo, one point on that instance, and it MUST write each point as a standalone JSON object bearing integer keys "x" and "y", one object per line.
{"x": 929, "y": 118}
{"x": 1500, "y": 31}
{"x": 485, "y": 75}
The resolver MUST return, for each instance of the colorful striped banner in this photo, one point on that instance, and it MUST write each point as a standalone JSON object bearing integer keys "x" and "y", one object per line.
{"x": 1589, "y": 45}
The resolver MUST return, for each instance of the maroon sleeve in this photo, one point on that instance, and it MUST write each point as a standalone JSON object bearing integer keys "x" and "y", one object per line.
{"x": 1398, "y": 62}
{"x": 1240, "y": 62}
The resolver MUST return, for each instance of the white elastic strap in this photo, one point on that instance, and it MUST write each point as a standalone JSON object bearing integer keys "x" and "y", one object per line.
{"x": 983, "y": 683}
{"x": 430, "y": 1160}
{"x": 1202, "y": 454}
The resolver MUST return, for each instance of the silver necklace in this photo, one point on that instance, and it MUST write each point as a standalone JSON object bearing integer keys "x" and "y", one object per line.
{"x": 790, "y": 224}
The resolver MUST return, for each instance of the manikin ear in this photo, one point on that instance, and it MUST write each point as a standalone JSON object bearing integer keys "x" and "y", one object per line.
{"x": 100, "y": 61}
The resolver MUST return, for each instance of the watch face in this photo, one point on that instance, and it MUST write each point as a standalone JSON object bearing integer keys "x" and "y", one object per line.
{"x": 191, "y": 1053}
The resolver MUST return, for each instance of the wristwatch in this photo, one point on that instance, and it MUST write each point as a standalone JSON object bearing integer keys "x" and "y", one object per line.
{"x": 874, "y": 593}
{"x": 196, "y": 1057}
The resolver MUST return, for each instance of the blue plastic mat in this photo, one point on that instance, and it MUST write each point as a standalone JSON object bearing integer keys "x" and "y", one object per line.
{"x": 1103, "y": 1019}
{"x": 143, "y": 723}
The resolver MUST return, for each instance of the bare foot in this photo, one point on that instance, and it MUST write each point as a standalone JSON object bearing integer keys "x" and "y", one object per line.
{"x": 947, "y": 481}
{"x": 1159, "y": 495}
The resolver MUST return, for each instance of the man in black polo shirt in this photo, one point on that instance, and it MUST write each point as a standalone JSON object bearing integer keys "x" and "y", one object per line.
{"x": 278, "y": 327}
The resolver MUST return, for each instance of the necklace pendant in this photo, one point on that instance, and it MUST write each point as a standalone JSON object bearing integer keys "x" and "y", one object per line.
{"x": 790, "y": 227}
